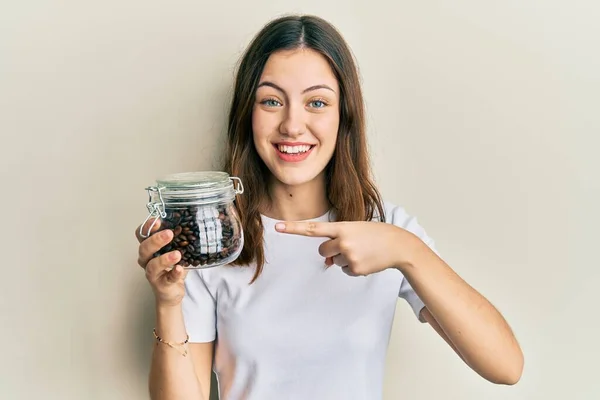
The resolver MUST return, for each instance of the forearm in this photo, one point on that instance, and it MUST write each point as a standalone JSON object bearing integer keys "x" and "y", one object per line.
{"x": 172, "y": 375}
{"x": 477, "y": 330}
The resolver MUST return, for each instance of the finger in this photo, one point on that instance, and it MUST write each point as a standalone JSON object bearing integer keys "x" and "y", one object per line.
{"x": 348, "y": 271}
{"x": 153, "y": 244}
{"x": 145, "y": 228}
{"x": 164, "y": 263}
{"x": 177, "y": 274}
{"x": 330, "y": 248}
{"x": 318, "y": 229}
{"x": 340, "y": 261}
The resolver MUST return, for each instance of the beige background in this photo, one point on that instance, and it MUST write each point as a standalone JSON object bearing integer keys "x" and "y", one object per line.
{"x": 483, "y": 121}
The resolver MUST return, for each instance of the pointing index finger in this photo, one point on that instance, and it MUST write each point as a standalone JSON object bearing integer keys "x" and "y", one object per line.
{"x": 308, "y": 228}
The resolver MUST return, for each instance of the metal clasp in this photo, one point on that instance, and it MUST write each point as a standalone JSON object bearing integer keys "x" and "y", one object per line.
{"x": 238, "y": 187}
{"x": 156, "y": 210}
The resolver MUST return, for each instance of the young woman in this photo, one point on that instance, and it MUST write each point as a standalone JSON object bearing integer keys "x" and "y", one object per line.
{"x": 306, "y": 311}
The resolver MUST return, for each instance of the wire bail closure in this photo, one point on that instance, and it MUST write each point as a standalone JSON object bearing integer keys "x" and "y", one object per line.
{"x": 238, "y": 186}
{"x": 155, "y": 209}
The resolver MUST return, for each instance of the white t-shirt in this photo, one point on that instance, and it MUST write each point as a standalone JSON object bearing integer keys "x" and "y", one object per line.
{"x": 300, "y": 331}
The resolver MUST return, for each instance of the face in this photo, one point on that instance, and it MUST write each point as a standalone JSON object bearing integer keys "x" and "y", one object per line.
{"x": 296, "y": 116}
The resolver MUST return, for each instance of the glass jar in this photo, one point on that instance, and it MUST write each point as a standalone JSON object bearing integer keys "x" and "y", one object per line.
{"x": 199, "y": 208}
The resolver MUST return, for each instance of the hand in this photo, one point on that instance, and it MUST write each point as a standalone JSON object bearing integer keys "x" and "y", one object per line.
{"x": 166, "y": 281}
{"x": 360, "y": 248}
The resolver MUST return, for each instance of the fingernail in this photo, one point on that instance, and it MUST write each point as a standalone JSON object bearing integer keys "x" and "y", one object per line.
{"x": 173, "y": 256}
{"x": 166, "y": 234}
{"x": 280, "y": 226}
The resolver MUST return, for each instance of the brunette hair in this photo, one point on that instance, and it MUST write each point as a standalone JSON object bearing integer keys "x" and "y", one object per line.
{"x": 350, "y": 187}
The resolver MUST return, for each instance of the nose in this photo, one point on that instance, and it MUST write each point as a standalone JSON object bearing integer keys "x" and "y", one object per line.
{"x": 293, "y": 123}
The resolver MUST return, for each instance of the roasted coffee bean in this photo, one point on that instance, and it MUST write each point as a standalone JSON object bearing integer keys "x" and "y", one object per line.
{"x": 202, "y": 237}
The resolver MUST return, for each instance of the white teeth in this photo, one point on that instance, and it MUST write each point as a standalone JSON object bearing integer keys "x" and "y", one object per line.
{"x": 293, "y": 149}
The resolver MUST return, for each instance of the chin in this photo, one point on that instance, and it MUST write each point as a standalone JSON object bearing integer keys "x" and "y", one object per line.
{"x": 295, "y": 178}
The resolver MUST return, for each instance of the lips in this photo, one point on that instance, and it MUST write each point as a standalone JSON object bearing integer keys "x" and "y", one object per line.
{"x": 293, "y": 152}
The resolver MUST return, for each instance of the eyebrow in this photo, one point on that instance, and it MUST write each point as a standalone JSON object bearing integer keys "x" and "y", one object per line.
{"x": 308, "y": 89}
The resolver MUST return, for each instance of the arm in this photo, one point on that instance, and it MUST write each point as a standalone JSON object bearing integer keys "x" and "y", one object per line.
{"x": 460, "y": 315}
{"x": 172, "y": 375}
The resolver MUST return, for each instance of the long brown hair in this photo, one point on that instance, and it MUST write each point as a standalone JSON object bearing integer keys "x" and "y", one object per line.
{"x": 350, "y": 188}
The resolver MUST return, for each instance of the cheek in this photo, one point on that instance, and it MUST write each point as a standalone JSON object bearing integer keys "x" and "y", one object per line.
{"x": 258, "y": 131}
{"x": 262, "y": 125}
{"x": 327, "y": 129}
{"x": 255, "y": 123}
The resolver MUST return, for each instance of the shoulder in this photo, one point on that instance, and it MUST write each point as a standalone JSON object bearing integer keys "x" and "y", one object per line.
{"x": 397, "y": 215}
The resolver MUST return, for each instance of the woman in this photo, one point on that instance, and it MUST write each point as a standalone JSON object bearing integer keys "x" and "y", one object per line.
{"x": 306, "y": 311}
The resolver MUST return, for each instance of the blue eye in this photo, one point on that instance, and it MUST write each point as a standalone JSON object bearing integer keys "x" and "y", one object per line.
{"x": 318, "y": 103}
{"x": 271, "y": 103}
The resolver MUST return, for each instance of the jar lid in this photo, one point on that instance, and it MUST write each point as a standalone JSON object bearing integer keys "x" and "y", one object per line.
{"x": 198, "y": 180}
{"x": 201, "y": 187}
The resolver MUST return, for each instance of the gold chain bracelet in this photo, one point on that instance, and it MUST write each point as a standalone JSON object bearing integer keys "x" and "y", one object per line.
{"x": 177, "y": 346}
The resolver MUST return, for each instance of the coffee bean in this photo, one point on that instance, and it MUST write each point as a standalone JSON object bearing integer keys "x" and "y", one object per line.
{"x": 202, "y": 236}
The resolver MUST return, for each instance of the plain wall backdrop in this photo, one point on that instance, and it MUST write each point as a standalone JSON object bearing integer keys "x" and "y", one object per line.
{"x": 483, "y": 122}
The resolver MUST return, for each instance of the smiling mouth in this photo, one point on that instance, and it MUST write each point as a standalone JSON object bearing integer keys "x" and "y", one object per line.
{"x": 297, "y": 149}
{"x": 293, "y": 153}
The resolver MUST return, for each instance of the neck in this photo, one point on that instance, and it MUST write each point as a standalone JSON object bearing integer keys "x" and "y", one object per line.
{"x": 298, "y": 202}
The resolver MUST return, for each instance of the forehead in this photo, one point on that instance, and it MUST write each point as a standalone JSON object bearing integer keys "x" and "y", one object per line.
{"x": 299, "y": 68}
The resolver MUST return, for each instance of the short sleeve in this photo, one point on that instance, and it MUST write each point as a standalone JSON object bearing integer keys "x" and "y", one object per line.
{"x": 398, "y": 216}
{"x": 199, "y": 309}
